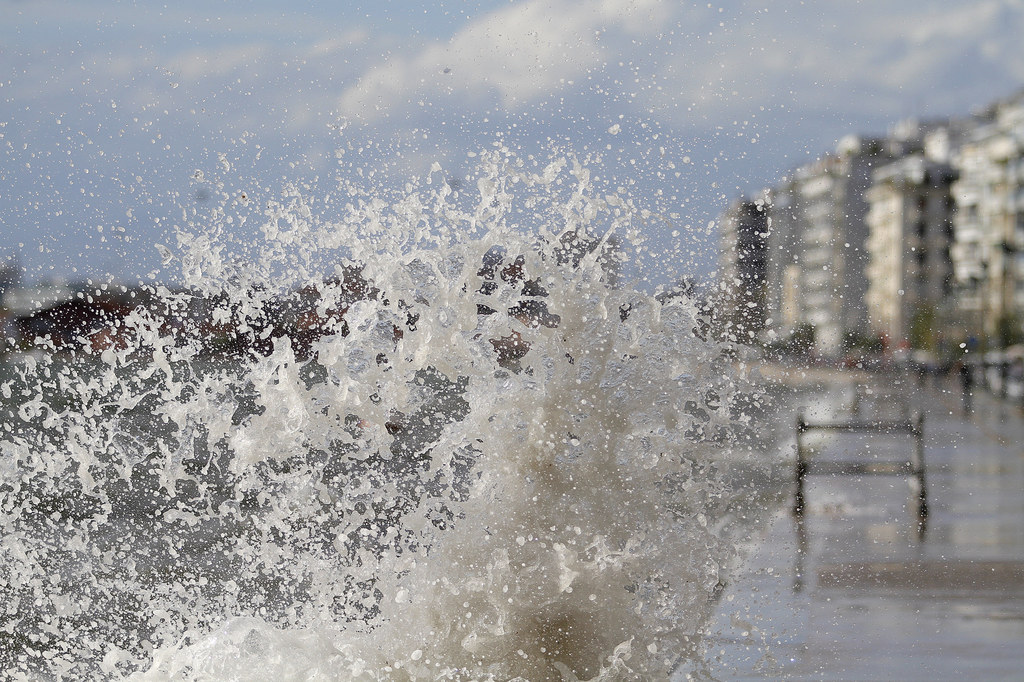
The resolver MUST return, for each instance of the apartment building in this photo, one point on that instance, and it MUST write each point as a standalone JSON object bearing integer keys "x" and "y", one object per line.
{"x": 909, "y": 271}
{"x": 830, "y": 218}
{"x": 782, "y": 300}
{"x": 744, "y": 264}
{"x": 915, "y": 236}
{"x": 988, "y": 253}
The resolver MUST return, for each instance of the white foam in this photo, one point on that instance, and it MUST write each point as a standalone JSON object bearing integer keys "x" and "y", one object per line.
{"x": 404, "y": 496}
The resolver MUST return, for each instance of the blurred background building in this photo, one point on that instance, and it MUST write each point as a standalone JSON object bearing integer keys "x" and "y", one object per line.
{"x": 911, "y": 241}
{"x": 744, "y": 267}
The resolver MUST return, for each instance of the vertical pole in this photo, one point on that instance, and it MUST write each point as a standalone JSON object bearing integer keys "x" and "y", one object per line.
{"x": 922, "y": 492}
{"x": 1004, "y": 377}
{"x": 801, "y": 555}
{"x": 798, "y": 505}
{"x": 801, "y": 467}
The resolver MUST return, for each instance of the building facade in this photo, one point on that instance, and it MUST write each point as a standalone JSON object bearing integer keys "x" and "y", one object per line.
{"x": 916, "y": 237}
{"x": 782, "y": 301}
{"x": 830, "y": 218}
{"x": 988, "y": 254}
{"x": 744, "y": 265}
{"x": 909, "y": 271}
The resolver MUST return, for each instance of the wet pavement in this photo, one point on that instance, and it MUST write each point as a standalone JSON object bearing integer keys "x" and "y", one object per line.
{"x": 857, "y": 591}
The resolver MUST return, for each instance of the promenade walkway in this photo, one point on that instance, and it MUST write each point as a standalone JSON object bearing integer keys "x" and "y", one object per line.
{"x": 855, "y": 592}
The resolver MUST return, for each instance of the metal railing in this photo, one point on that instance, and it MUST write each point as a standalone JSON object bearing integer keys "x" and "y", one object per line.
{"x": 912, "y": 467}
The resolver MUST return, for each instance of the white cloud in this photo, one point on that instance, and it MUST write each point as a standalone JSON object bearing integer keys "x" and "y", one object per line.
{"x": 715, "y": 61}
{"x": 159, "y": 90}
{"x": 851, "y": 59}
{"x": 511, "y": 56}
{"x": 196, "y": 64}
{"x": 339, "y": 44}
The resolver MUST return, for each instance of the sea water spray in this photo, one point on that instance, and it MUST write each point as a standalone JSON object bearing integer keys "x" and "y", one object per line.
{"x": 428, "y": 435}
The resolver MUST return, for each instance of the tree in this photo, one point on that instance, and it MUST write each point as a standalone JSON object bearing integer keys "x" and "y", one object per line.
{"x": 923, "y": 334}
{"x": 1008, "y": 330}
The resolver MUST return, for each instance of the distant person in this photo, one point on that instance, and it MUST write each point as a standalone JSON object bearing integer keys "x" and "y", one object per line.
{"x": 921, "y": 367}
{"x": 1015, "y": 381}
{"x": 966, "y": 373}
{"x": 1004, "y": 378}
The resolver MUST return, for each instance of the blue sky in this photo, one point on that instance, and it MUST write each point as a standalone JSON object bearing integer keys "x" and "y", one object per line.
{"x": 109, "y": 109}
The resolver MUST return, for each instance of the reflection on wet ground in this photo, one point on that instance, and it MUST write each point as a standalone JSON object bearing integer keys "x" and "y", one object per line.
{"x": 854, "y": 591}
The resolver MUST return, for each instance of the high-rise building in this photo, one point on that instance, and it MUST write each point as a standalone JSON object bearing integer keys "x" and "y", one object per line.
{"x": 744, "y": 265}
{"x": 915, "y": 236}
{"x": 909, "y": 272}
{"x": 782, "y": 302}
{"x": 988, "y": 253}
{"x": 830, "y": 219}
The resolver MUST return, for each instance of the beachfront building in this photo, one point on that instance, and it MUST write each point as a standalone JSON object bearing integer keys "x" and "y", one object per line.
{"x": 909, "y": 271}
{"x": 743, "y": 265}
{"x": 830, "y": 214}
{"x": 988, "y": 251}
{"x": 782, "y": 300}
